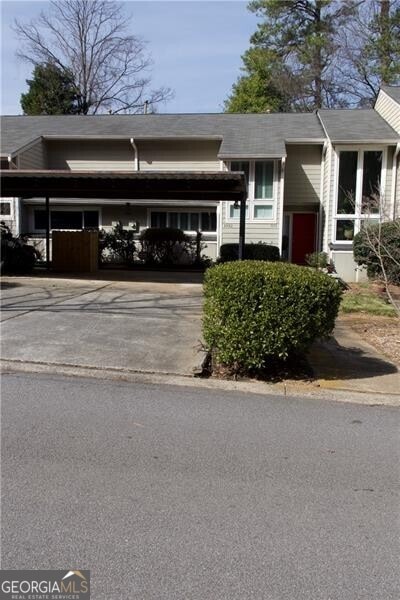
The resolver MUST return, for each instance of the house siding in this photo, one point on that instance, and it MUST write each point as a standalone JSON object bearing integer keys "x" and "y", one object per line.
{"x": 164, "y": 155}
{"x": 302, "y": 175}
{"x": 34, "y": 158}
{"x": 389, "y": 109}
{"x": 91, "y": 155}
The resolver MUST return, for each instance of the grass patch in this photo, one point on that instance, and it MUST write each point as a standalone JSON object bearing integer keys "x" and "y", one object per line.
{"x": 362, "y": 299}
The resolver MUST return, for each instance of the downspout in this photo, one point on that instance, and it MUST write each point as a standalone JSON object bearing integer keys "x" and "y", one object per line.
{"x": 329, "y": 200}
{"x": 394, "y": 181}
{"x": 17, "y": 201}
{"x": 321, "y": 198}
{"x": 137, "y": 163}
{"x": 282, "y": 201}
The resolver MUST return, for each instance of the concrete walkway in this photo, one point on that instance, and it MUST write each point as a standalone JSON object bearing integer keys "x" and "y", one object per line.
{"x": 143, "y": 326}
{"x": 346, "y": 361}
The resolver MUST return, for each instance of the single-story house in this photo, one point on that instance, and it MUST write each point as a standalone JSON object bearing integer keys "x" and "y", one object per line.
{"x": 309, "y": 176}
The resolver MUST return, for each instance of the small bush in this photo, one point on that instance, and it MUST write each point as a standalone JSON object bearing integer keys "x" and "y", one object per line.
{"x": 260, "y": 251}
{"x": 16, "y": 255}
{"x": 118, "y": 243}
{"x": 317, "y": 260}
{"x": 168, "y": 246}
{"x": 258, "y": 312}
{"x": 379, "y": 240}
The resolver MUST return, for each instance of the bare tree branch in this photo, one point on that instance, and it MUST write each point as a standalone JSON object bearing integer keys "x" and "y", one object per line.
{"x": 91, "y": 40}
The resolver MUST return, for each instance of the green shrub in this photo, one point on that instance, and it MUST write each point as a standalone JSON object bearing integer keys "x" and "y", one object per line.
{"x": 16, "y": 255}
{"x": 379, "y": 240}
{"x": 317, "y": 260}
{"x": 260, "y": 251}
{"x": 169, "y": 246}
{"x": 118, "y": 243}
{"x": 257, "y": 312}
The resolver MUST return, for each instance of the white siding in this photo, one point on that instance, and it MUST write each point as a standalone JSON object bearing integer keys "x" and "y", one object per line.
{"x": 389, "y": 109}
{"x": 302, "y": 175}
{"x": 34, "y": 158}
{"x": 346, "y": 267}
{"x": 173, "y": 155}
{"x": 255, "y": 232}
{"x": 91, "y": 155}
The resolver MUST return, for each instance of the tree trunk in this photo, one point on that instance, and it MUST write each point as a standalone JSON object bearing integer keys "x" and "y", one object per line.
{"x": 384, "y": 46}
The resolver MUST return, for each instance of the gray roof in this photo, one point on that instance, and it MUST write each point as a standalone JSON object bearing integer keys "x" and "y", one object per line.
{"x": 242, "y": 135}
{"x": 357, "y": 125}
{"x": 392, "y": 91}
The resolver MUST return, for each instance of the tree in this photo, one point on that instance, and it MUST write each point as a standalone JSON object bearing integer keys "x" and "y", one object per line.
{"x": 256, "y": 91}
{"x": 90, "y": 40}
{"x": 51, "y": 92}
{"x": 299, "y": 41}
{"x": 370, "y": 49}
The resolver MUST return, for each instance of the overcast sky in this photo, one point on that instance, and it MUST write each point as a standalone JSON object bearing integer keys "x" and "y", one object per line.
{"x": 196, "y": 48}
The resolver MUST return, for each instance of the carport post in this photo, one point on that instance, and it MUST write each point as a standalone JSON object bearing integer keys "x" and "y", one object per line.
{"x": 242, "y": 228}
{"x": 47, "y": 233}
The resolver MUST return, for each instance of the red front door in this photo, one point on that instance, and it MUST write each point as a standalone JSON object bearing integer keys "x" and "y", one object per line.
{"x": 303, "y": 236}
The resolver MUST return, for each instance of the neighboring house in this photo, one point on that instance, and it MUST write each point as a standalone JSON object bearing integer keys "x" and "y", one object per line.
{"x": 309, "y": 175}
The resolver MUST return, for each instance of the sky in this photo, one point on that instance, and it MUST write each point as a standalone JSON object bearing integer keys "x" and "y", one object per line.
{"x": 195, "y": 45}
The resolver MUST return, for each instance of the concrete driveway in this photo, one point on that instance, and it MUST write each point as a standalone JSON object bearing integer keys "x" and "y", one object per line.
{"x": 144, "y": 326}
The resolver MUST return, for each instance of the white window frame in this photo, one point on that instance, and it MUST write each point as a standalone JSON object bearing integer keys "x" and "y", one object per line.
{"x": 9, "y": 217}
{"x": 252, "y": 202}
{"x": 357, "y": 216}
{"x": 177, "y": 209}
{"x": 64, "y": 209}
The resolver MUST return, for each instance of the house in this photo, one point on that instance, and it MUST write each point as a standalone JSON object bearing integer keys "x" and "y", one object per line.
{"x": 309, "y": 176}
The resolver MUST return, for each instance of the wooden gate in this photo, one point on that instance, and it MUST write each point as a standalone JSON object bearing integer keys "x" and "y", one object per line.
{"x": 76, "y": 251}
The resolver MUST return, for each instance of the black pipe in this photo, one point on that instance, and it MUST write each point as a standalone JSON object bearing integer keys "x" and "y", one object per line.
{"x": 48, "y": 233}
{"x": 242, "y": 229}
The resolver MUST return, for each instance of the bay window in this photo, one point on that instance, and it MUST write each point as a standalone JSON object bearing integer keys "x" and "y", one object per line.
{"x": 359, "y": 191}
{"x": 261, "y": 180}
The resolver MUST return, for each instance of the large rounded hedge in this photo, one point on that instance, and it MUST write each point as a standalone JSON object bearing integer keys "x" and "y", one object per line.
{"x": 256, "y": 312}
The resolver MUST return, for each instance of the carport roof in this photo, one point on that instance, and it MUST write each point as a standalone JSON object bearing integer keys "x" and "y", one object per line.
{"x": 185, "y": 185}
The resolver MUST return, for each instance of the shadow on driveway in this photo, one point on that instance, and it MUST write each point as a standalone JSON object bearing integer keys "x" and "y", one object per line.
{"x": 146, "y": 327}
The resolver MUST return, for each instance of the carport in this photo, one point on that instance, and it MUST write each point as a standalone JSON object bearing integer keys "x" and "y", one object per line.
{"x": 144, "y": 186}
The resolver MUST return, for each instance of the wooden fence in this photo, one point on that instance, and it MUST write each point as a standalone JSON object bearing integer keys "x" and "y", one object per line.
{"x": 76, "y": 251}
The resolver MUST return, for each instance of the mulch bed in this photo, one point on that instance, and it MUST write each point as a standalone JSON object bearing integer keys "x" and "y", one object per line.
{"x": 383, "y": 333}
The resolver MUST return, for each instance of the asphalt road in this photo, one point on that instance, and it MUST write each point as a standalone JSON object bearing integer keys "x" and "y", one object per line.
{"x": 179, "y": 493}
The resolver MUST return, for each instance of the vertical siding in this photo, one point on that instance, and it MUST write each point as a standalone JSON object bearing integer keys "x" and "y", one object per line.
{"x": 174, "y": 155}
{"x": 302, "y": 175}
{"x": 389, "y": 109}
{"x": 91, "y": 155}
{"x": 34, "y": 158}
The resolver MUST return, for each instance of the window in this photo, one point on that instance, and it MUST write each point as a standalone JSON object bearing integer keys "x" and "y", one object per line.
{"x": 261, "y": 179}
{"x": 187, "y": 221}
{"x": 67, "y": 219}
{"x": 359, "y": 191}
{"x": 264, "y": 180}
{"x": 5, "y": 209}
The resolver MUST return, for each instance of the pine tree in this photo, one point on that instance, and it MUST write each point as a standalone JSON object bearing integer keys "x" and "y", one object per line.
{"x": 51, "y": 92}
{"x": 300, "y": 45}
